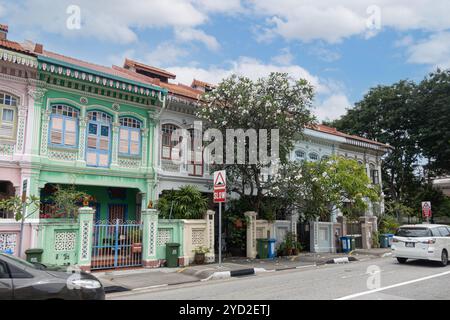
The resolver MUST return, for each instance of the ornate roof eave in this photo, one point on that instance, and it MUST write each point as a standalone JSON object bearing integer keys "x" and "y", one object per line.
{"x": 18, "y": 58}
{"x": 50, "y": 65}
{"x": 367, "y": 145}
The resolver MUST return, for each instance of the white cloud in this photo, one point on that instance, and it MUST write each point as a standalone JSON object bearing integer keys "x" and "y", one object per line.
{"x": 228, "y": 6}
{"x": 164, "y": 54}
{"x": 404, "y": 41}
{"x": 332, "y": 107}
{"x": 323, "y": 53}
{"x": 284, "y": 58}
{"x": 244, "y": 66}
{"x": 333, "y": 21}
{"x": 331, "y": 101}
{"x": 435, "y": 51}
{"x": 108, "y": 20}
{"x": 190, "y": 34}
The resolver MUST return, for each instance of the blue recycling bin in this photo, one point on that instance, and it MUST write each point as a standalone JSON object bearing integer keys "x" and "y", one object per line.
{"x": 391, "y": 238}
{"x": 346, "y": 242}
{"x": 272, "y": 252}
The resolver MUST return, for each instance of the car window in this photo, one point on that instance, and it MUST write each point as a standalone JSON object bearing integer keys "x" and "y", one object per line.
{"x": 435, "y": 232}
{"x": 22, "y": 262}
{"x": 413, "y": 232}
{"x": 444, "y": 231}
{"x": 3, "y": 270}
{"x": 18, "y": 273}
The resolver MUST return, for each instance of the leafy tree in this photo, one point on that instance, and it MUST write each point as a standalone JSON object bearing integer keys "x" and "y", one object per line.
{"x": 431, "y": 120}
{"x": 384, "y": 115}
{"x": 318, "y": 188}
{"x": 275, "y": 102}
{"x": 185, "y": 203}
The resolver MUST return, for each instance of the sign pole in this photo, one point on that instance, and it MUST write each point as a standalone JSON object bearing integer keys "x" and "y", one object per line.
{"x": 220, "y": 194}
{"x": 220, "y": 235}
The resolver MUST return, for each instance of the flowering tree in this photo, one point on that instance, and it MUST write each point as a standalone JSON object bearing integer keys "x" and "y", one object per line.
{"x": 276, "y": 102}
{"x": 318, "y": 188}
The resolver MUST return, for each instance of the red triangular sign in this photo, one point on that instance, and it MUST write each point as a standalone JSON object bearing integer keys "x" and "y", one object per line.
{"x": 219, "y": 179}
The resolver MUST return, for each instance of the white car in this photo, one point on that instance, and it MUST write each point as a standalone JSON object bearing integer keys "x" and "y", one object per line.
{"x": 422, "y": 241}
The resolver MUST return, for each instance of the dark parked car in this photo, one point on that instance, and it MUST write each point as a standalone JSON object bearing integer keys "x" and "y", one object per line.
{"x": 21, "y": 280}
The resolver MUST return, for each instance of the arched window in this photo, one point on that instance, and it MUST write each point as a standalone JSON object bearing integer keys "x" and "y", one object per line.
{"x": 313, "y": 156}
{"x": 130, "y": 136}
{"x": 169, "y": 149}
{"x": 99, "y": 139}
{"x": 8, "y": 115}
{"x": 64, "y": 126}
{"x": 299, "y": 155}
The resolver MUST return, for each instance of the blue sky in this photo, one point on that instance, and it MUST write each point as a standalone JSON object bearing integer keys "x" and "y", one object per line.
{"x": 343, "y": 47}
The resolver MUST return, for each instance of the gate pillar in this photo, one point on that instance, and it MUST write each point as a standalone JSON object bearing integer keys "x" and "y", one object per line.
{"x": 251, "y": 234}
{"x": 150, "y": 230}
{"x": 86, "y": 225}
{"x": 209, "y": 217}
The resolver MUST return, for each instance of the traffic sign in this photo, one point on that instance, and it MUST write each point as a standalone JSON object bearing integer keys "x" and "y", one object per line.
{"x": 220, "y": 196}
{"x": 220, "y": 179}
{"x": 426, "y": 209}
{"x": 220, "y": 186}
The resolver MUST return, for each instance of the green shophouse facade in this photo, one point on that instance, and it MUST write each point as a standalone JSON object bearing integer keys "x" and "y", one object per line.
{"x": 94, "y": 128}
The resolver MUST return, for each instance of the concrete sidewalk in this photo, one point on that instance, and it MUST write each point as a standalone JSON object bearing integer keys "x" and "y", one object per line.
{"x": 125, "y": 280}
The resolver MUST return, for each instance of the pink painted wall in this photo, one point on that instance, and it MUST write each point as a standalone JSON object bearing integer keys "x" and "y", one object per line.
{"x": 10, "y": 226}
{"x": 10, "y": 174}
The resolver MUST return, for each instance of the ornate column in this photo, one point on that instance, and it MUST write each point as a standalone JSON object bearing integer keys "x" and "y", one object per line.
{"x": 314, "y": 235}
{"x": 294, "y": 221}
{"x": 82, "y": 124}
{"x": 153, "y": 142}
{"x": 115, "y": 144}
{"x": 209, "y": 217}
{"x": 44, "y": 131}
{"x": 34, "y": 120}
{"x": 21, "y": 123}
{"x": 144, "y": 138}
{"x": 86, "y": 224}
{"x": 251, "y": 234}
{"x": 150, "y": 230}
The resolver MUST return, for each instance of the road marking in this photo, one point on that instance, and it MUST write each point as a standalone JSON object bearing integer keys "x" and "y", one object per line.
{"x": 392, "y": 286}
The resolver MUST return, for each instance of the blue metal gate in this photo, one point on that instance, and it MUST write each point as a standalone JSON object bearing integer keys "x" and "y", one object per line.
{"x": 116, "y": 245}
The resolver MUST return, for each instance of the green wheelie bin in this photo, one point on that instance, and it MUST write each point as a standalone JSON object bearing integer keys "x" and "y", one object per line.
{"x": 172, "y": 253}
{"x": 262, "y": 248}
{"x": 34, "y": 255}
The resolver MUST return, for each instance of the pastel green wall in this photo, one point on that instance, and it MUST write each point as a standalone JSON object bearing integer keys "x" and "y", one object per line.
{"x": 176, "y": 227}
{"x": 52, "y": 255}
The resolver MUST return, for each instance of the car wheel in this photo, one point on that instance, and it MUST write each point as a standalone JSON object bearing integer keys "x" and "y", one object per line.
{"x": 444, "y": 258}
{"x": 402, "y": 260}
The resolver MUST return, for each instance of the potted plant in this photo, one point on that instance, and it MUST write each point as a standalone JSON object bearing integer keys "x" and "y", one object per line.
{"x": 297, "y": 248}
{"x": 289, "y": 244}
{"x": 200, "y": 253}
{"x": 281, "y": 249}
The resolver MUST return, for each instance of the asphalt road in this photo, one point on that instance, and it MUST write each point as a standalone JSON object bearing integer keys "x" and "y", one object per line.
{"x": 381, "y": 278}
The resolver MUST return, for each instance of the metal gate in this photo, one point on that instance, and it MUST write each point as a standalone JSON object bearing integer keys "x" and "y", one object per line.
{"x": 116, "y": 245}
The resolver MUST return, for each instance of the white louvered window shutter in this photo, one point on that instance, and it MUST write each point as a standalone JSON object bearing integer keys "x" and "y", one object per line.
{"x": 56, "y": 131}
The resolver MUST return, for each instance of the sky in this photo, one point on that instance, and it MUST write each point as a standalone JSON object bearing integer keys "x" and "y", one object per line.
{"x": 343, "y": 47}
